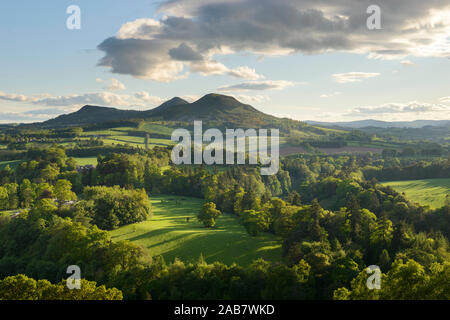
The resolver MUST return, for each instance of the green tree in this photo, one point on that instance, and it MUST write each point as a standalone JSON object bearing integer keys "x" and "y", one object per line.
{"x": 50, "y": 172}
{"x": 209, "y": 214}
{"x": 26, "y": 193}
{"x": 385, "y": 260}
{"x": 405, "y": 281}
{"x": 114, "y": 207}
{"x": 294, "y": 198}
{"x": 20, "y": 287}
{"x": 63, "y": 192}
{"x": 4, "y": 204}
{"x": 255, "y": 222}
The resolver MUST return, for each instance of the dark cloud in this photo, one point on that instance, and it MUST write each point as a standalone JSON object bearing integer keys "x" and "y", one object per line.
{"x": 195, "y": 30}
{"x": 185, "y": 53}
{"x": 141, "y": 58}
{"x": 258, "y": 86}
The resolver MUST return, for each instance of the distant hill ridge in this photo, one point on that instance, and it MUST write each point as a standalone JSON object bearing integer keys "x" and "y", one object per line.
{"x": 91, "y": 114}
{"x": 212, "y": 107}
{"x": 382, "y": 124}
{"x": 216, "y": 109}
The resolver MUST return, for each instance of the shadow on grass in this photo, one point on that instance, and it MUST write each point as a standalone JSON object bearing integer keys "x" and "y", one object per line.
{"x": 168, "y": 234}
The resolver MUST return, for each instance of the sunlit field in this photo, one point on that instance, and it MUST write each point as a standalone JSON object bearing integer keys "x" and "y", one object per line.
{"x": 431, "y": 192}
{"x": 168, "y": 234}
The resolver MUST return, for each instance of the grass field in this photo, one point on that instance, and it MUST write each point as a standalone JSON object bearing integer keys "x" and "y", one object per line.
{"x": 156, "y": 128}
{"x": 87, "y": 160}
{"x": 431, "y": 192}
{"x": 106, "y": 132}
{"x": 168, "y": 234}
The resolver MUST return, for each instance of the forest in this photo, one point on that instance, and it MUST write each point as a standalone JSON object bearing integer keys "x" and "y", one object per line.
{"x": 331, "y": 214}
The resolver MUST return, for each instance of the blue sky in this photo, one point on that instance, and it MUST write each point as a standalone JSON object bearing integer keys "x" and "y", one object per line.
{"x": 283, "y": 64}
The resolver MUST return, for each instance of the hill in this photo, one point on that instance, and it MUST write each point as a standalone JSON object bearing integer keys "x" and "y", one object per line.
{"x": 166, "y": 105}
{"x": 91, "y": 114}
{"x": 213, "y": 108}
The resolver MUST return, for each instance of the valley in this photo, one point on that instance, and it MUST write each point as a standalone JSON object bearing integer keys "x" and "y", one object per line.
{"x": 224, "y": 159}
{"x": 168, "y": 234}
{"x": 99, "y": 188}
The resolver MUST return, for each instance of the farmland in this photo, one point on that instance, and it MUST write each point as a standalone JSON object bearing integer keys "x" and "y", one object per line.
{"x": 431, "y": 192}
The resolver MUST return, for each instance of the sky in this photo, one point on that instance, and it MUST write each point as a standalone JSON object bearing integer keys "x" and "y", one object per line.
{"x": 302, "y": 59}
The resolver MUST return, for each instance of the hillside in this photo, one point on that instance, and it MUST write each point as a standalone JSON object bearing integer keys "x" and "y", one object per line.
{"x": 213, "y": 108}
{"x": 166, "y": 105}
{"x": 91, "y": 114}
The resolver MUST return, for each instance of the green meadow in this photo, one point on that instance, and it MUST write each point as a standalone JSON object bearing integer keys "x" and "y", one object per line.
{"x": 431, "y": 192}
{"x": 86, "y": 161}
{"x": 168, "y": 234}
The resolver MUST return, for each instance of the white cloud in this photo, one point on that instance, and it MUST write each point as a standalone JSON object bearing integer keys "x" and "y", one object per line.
{"x": 259, "y": 86}
{"x": 208, "y": 67}
{"x": 395, "y": 111}
{"x": 330, "y": 95}
{"x": 33, "y": 115}
{"x": 353, "y": 76}
{"x": 403, "y": 111}
{"x": 115, "y": 85}
{"x": 407, "y": 63}
{"x": 57, "y": 105}
{"x": 245, "y": 73}
{"x": 105, "y": 98}
{"x": 190, "y": 98}
{"x": 445, "y": 99}
{"x": 140, "y": 29}
{"x": 402, "y": 107}
{"x": 8, "y": 117}
{"x": 146, "y": 97}
{"x": 13, "y": 97}
{"x": 97, "y": 98}
{"x": 251, "y": 99}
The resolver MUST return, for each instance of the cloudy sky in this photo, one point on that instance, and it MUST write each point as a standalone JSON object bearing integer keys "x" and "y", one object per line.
{"x": 304, "y": 59}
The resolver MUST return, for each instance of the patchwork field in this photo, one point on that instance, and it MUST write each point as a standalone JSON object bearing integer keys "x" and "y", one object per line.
{"x": 168, "y": 234}
{"x": 431, "y": 192}
{"x": 116, "y": 136}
